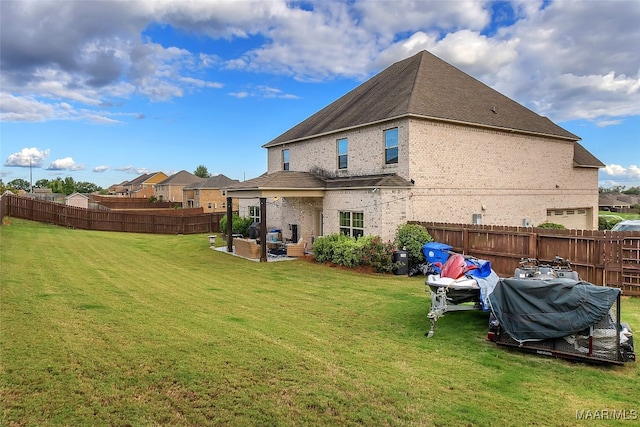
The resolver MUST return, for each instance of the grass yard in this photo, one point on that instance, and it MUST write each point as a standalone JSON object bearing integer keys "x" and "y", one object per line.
{"x": 118, "y": 329}
{"x": 620, "y": 214}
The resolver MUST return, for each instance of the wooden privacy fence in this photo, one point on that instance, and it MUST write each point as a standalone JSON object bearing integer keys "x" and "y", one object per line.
{"x": 114, "y": 202}
{"x": 600, "y": 257}
{"x": 91, "y": 219}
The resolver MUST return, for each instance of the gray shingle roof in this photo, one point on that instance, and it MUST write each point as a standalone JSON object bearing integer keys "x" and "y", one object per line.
{"x": 140, "y": 179}
{"x": 181, "y": 178}
{"x": 213, "y": 182}
{"x": 282, "y": 180}
{"x": 583, "y": 158}
{"x": 423, "y": 86}
{"x": 292, "y": 180}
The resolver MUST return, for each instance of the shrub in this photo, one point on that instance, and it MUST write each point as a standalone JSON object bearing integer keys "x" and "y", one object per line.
{"x": 324, "y": 247}
{"x": 346, "y": 252}
{"x": 377, "y": 254}
{"x": 349, "y": 252}
{"x": 607, "y": 223}
{"x": 552, "y": 225}
{"x": 413, "y": 237}
{"x": 239, "y": 224}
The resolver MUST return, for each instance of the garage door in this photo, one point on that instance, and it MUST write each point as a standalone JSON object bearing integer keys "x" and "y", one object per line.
{"x": 578, "y": 218}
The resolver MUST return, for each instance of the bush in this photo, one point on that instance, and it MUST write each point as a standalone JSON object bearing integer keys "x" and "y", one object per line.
{"x": 552, "y": 225}
{"x": 377, "y": 254}
{"x": 607, "y": 223}
{"x": 413, "y": 237}
{"x": 323, "y": 247}
{"x": 346, "y": 253}
{"x": 349, "y": 252}
{"x": 238, "y": 225}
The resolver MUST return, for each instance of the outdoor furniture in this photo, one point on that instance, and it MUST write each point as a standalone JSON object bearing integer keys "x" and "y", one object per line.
{"x": 296, "y": 249}
{"x": 247, "y": 248}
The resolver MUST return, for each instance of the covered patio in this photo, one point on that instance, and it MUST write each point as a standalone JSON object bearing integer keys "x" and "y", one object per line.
{"x": 275, "y": 186}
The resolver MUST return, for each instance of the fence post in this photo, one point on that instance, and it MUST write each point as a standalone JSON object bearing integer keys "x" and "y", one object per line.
{"x": 533, "y": 245}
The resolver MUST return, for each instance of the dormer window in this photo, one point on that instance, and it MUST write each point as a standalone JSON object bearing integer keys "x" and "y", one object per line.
{"x": 391, "y": 146}
{"x": 285, "y": 159}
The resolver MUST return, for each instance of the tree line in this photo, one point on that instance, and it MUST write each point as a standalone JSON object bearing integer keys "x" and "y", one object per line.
{"x": 68, "y": 185}
{"x": 64, "y": 186}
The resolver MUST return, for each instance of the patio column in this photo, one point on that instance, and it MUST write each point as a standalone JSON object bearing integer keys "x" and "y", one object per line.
{"x": 263, "y": 229}
{"x": 229, "y": 229}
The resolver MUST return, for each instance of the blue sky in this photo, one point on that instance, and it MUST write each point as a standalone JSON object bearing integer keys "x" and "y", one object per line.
{"x": 105, "y": 91}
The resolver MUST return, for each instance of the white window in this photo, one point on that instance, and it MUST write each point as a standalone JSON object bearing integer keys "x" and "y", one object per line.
{"x": 352, "y": 223}
{"x": 343, "y": 150}
{"x": 254, "y": 213}
{"x": 285, "y": 160}
{"x": 391, "y": 146}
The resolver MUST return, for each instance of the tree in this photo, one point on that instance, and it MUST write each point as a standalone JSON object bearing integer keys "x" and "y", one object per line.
{"x": 69, "y": 186}
{"x": 19, "y": 184}
{"x": 87, "y": 187}
{"x": 202, "y": 172}
{"x": 41, "y": 183}
{"x": 56, "y": 185}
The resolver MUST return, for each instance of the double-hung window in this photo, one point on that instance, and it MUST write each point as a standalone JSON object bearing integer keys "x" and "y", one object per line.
{"x": 352, "y": 223}
{"x": 391, "y": 146}
{"x": 254, "y": 213}
{"x": 285, "y": 159}
{"x": 343, "y": 152}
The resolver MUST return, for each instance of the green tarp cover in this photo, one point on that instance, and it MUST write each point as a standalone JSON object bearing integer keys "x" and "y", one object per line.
{"x": 530, "y": 309}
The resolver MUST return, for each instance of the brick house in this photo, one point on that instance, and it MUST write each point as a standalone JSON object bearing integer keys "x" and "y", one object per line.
{"x": 146, "y": 186}
{"x": 208, "y": 194}
{"x": 170, "y": 189}
{"x": 423, "y": 141}
{"x": 142, "y": 186}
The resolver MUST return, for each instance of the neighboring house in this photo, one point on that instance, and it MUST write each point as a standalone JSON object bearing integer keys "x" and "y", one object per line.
{"x": 78, "y": 200}
{"x": 423, "y": 141}
{"x": 143, "y": 186}
{"x": 147, "y": 187}
{"x": 118, "y": 189}
{"x": 617, "y": 202}
{"x": 208, "y": 194}
{"x": 170, "y": 189}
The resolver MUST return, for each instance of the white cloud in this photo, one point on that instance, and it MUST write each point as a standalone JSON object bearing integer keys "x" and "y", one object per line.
{"x": 101, "y": 169}
{"x": 27, "y": 157}
{"x": 66, "y": 163}
{"x": 629, "y": 177}
{"x": 564, "y": 59}
{"x": 262, "y": 91}
{"x": 576, "y": 60}
{"x": 132, "y": 170}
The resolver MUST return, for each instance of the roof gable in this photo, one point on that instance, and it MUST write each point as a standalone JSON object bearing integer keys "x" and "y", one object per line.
{"x": 76, "y": 195}
{"x": 139, "y": 180}
{"x": 423, "y": 86}
{"x": 213, "y": 182}
{"x": 181, "y": 178}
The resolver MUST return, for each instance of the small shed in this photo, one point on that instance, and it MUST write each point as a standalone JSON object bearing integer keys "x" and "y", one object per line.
{"x": 78, "y": 200}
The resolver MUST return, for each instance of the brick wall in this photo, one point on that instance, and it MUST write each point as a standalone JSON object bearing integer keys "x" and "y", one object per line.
{"x": 458, "y": 171}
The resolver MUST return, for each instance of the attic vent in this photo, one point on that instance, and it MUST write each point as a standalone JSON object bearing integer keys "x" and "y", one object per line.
{"x": 493, "y": 109}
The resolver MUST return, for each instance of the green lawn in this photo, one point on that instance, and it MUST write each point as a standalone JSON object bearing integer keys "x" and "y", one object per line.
{"x": 101, "y": 328}
{"x": 619, "y": 214}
